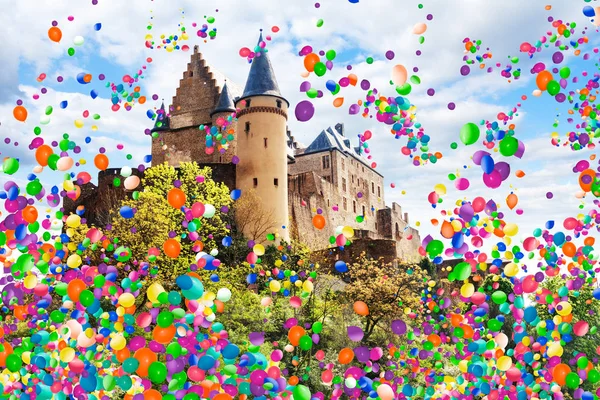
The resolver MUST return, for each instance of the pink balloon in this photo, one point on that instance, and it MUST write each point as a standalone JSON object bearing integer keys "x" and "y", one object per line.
{"x": 198, "y": 210}
{"x": 461, "y": 184}
{"x": 581, "y": 328}
{"x": 492, "y": 180}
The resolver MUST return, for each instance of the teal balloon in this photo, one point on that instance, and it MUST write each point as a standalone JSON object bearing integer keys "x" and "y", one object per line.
{"x": 469, "y": 133}
{"x": 130, "y": 365}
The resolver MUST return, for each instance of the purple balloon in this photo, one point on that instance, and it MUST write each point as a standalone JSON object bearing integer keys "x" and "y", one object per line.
{"x": 362, "y": 354}
{"x": 304, "y": 111}
{"x": 466, "y": 212}
{"x": 539, "y": 67}
{"x": 490, "y": 207}
{"x": 355, "y": 333}
{"x": 329, "y": 65}
{"x": 478, "y": 155}
{"x": 520, "y": 150}
{"x": 503, "y": 168}
{"x": 305, "y": 86}
{"x": 399, "y": 327}
{"x": 563, "y": 83}
{"x": 465, "y": 70}
{"x": 557, "y": 57}
{"x": 354, "y": 109}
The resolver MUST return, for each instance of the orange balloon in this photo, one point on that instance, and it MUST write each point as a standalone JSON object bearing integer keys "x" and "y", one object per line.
{"x": 512, "y": 200}
{"x": 310, "y": 60}
{"x": 42, "y": 153}
{"x": 353, "y": 80}
{"x": 176, "y": 198}
{"x": 122, "y": 354}
{"x": 164, "y": 335}
{"x": 172, "y": 248}
{"x": 318, "y": 221}
{"x": 20, "y": 113}
{"x": 399, "y": 75}
{"x": 520, "y": 174}
{"x": 101, "y": 161}
{"x": 30, "y": 214}
{"x": 145, "y": 357}
{"x": 55, "y": 34}
{"x": 295, "y": 334}
{"x": 8, "y": 350}
{"x": 346, "y": 356}
{"x": 74, "y": 289}
{"x": 338, "y": 102}
{"x": 569, "y": 249}
{"x": 447, "y": 230}
{"x": 560, "y": 372}
{"x": 542, "y": 79}
{"x": 589, "y": 241}
{"x": 152, "y": 394}
{"x": 222, "y": 396}
{"x": 434, "y": 339}
{"x": 361, "y": 308}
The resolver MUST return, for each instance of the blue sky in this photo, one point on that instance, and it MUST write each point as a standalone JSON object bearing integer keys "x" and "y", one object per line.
{"x": 355, "y": 31}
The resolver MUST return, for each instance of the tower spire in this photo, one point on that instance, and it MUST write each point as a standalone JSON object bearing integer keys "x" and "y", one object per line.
{"x": 162, "y": 120}
{"x": 225, "y": 103}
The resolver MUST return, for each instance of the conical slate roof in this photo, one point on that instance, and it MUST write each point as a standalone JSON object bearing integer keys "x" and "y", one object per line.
{"x": 162, "y": 121}
{"x": 261, "y": 79}
{"x": 225, "y": 103}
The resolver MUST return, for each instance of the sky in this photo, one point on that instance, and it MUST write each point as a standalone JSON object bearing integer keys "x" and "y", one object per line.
{"x": 369, "y": 28}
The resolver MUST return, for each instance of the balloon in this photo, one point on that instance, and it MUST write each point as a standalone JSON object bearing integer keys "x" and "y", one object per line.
{"x": 294, "y": 335}
{"x": 361, "y": 308}
{"x": 345, "y": 356}
{"x": 512, "y": 200}
{"x": 469, "y": 133}
{"x": 10, "y": 165}
{"x": 55, "y": 34}
{"x": 20, "y": 113}
{"x": 172, "y": 248}
{"x": 157, "y": 372}
{"x": 145, "y": 358}
{"x": 304, "y": 111}
{"x": 318, "y": 221}
{"x": 399, "y": 75}
{"x": 176, "y": 198}
{"x": 487, "y": 164}
{"x": 301, "y": 392}
{"x": 74, "y": 289}
{"x": 101, "y": 162}
{"x": 42, "y": 154}
{"x": 310, "y": 61}
{"x": 419, "y": 28}
{"x": 131, "y": 182}
{"x": 542, "y": 79}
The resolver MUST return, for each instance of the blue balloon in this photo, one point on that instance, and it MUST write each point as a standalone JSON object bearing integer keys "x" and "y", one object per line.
{"x": 93, "y": 94}
{"x": 341, "y": 266}
{"x": 126, "y": 212}
{"x": 206, "y": 363}
{"x": 487, "y": 164}
{"x": 64, "y": 104}
{"x": 589, "y": 11}
{"x": 97, "y": 26}
{"x": 330, "y": 85}
{"x": 227, "y": 241}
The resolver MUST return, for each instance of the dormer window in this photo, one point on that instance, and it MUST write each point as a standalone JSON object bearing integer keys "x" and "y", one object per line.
{"x": 278, "y": 103}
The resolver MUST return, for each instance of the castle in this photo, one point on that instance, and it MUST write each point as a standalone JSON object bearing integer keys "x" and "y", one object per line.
{"x": 291, "y": 181}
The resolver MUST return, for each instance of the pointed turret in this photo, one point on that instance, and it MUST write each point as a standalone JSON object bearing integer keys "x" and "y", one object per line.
{"x": 225, "y": 103}
{"x": 162, "y": 120}
{"x": 261, "y": 79}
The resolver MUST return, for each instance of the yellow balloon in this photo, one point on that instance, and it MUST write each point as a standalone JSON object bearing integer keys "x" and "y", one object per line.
{"x": 467, "y": 290}
{"x": 259, "y": 249}
{"x": 118, "y": 342}
{"x": 348, "y": 232}
{"x": 68, "y": 354}
{"x": 511, "y": 229}
{"x": 154, "y": 291}
{"x": 78, "y": 123}
{"x": 74, "y": 261}
{"x": 308, "y": 286}
{"x": 69, "y": 186}
{"x": 274, "y": 286}
{"x": 511, "y": 269}
{"x": 463, "y": 365}
{"x": 554, "y": 349}
{"x": 440, "y": 189}
{"x": 30, "y": 281}
{"x": 504, "y": 363}
{"x": 564, "y": 308}
{"x": 126, "y": 300}
{"x": 457, "y": 225}
{"x": 73, "y": 221}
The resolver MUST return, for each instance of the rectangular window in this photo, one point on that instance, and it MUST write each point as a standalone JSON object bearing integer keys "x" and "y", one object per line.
{"x": 344, "y": 184}
{"x": 247, "y": 103}
{"x": 372, "y": 187}
{"x": 255, "y": 182}
{"x": 278, "y": 103}
{"x": 343, "y": 165}
{"x": 375, "y": 225}
{"x": 364, "y": 211}
{"x": 345, "y": 204}
{"x": 354, "y": 206}
{"x": 363, "y": 169}
{"x": 352, "y": 178}
{"x": 326, "y": 164}
{"x": 247, "y": 130}
{"x": 276, "y": 182}
{"x": 327, "y": 202}
{"x": 378, "y": 191}
{"x": 265, "y": 139}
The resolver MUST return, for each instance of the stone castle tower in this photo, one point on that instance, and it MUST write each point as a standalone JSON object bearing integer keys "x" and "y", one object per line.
{"x": 261, "y": 140}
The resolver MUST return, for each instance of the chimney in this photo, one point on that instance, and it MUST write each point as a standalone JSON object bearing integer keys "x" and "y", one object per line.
{"x": 196, "y": 48}
{"x": 406, "y": 217}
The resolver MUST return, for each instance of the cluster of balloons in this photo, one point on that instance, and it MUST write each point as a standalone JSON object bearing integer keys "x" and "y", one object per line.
{"x": 172, "y": 42}
{"x": 219, "y": 136}
{"x": 472, "y": 56}
{"x": 259, "y": 49}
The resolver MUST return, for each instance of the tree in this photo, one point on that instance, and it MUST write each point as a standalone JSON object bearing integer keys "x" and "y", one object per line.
{"x": 387, "y": 291}
{"x": 252, "y": 219}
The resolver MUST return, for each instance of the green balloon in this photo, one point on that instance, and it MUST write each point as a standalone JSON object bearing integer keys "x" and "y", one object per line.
{"x": 157, "y": 372}
{"x": 509, "y": 146}
{"x": 593, "y": 376}
{"x": 86, "y": 298}
{"x": 99, "y": 281}
{"x": 404, "y": 90}
{"x": 306, "y": 342}
{"x": 330, "y": 55}
{"x": 301, "y": 392}
{"x": 317, "y": 327}
{"x": 165, "y": 319}
{"x": 57, "y": 316}
{"x": 434, "y": 248}
{"x": 469, "y": 133}
{"x": 572, "y": 380}
{"x": 320, "y": 69}
{"x": 13, "y": 362}
{"x": 33, "y": 187}
{"x": 10, "y": 166}
{"x": 553, "y": 88}
{"x": 109, "y": 382}
{"x": 52, "y": 160}
{"x": 462, "y": 271}
{"x": 312, "y": 93}
{"x": 499, "y": 297}
{"x": 565, "y": 72}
